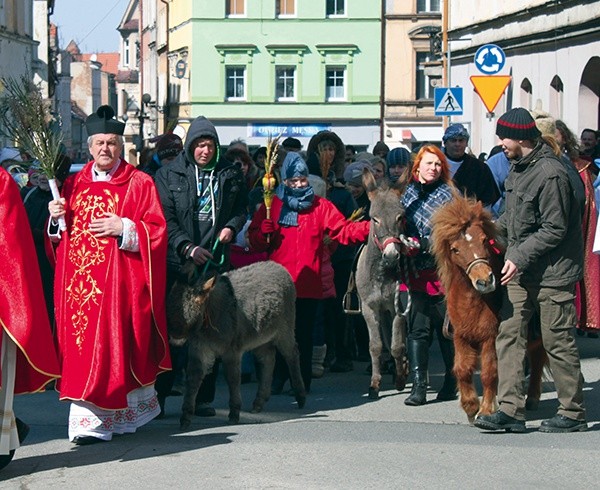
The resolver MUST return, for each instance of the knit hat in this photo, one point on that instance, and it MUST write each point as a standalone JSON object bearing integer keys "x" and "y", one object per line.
{"x": 294, "y": 166}
{"x": 354, "y": 172}
{"x": 544, "y": 122}
{"x": 102, "y": 121}
{"x": 169, "y": 145}
{"x": 455, "y": 131}
{"x": 517, "y": 124}
{"x": 398, "y": 157}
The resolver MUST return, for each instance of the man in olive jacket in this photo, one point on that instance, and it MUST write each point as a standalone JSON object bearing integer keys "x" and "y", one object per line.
{"x": 544, "y": 260}
{"x": 204, "y": 199}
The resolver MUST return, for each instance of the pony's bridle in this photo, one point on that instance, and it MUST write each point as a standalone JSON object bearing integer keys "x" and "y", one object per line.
{"x": 477, "y": 262}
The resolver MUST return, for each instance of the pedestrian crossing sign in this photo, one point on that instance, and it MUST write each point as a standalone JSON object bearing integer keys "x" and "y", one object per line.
{"x": 448, "y": 101}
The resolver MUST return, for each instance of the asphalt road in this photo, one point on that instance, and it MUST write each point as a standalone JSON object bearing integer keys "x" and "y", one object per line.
{"x": 341, "y": 439}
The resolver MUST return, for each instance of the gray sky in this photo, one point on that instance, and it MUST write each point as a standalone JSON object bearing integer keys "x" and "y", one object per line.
{"x": 91, "y": 23}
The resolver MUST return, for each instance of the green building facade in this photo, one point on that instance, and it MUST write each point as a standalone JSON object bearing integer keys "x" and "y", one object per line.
{"x": 287, "y": 66}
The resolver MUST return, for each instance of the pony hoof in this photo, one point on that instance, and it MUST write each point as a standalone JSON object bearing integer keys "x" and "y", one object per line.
{"x": 532, "y": 404}
{"x": 400, "y": 383}
{"x": 471, "y": 419}
{"x": 373, "y": 394}
{"x": 257, "y": 409}
{"x": 184, "y": 424}
{"x": 301, "y": 400}
{"x": 234, "y": 419}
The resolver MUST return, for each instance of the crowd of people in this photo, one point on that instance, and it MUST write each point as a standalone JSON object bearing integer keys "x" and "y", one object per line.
{"x": 130, "y": 231}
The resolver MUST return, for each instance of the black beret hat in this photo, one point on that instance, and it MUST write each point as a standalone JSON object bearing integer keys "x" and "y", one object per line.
{"x": 102, "y": 121}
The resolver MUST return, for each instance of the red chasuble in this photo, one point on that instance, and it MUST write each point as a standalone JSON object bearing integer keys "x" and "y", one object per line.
{"x": 22, "y": 306}
{"x": 110, "y": 310}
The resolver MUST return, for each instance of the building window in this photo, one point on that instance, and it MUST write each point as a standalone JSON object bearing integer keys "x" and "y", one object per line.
{"x": 235, "y": 83}
{"x": 526, "y": 94}
{"x": 285, "y": 81}
{"x": 335, "y": 7}
{"x": 236, "y": 8}
{"x": 126, "y": 52}
{"x": 285, "y": 8}
{"x": 424, "y": 88}
{"x": 335, "y": 84}
{"x": 428, "y": 5}
{"x": 556, "y": 97}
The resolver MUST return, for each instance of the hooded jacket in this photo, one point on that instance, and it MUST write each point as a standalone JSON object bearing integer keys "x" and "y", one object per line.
{"x": 177, "y": 188}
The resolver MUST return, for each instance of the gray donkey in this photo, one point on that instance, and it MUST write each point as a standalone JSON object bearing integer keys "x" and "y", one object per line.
{"x": 252, "y": 308}
{"x": 377, "y": 281}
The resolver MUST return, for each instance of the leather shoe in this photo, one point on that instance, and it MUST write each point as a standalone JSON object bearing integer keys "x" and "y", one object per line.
{"x": 499, "y": 421}
{"x": 560, "y": 423}
{"x": 86, "y": 440}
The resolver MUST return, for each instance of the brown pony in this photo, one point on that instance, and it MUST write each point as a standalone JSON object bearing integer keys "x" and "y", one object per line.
{"x": 469, "y": 263}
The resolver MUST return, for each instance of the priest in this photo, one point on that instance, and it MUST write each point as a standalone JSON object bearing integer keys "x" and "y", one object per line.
{"x": 109, "y": 289}
{"x": 27, "y": 358}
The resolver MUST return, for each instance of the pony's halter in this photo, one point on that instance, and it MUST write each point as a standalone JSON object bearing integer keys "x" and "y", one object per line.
{"x": 476, "y": 262}
{"x": 386, "y": 242}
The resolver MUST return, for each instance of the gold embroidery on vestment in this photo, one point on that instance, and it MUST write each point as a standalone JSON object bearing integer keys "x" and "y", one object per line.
{"x": 86, "y": 252}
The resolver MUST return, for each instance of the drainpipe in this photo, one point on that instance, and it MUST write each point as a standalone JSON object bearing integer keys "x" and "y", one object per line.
{"x": 167, "y": 106}
{"x": 382, "y": 75}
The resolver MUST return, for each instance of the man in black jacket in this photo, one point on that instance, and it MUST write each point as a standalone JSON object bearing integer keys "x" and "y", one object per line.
{"x": 470, "y": 175}
{"x": 204, "y": 200}
{"x": 544, "y": 261}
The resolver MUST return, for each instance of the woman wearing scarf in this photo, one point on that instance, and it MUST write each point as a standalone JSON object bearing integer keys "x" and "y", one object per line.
{"x": 294, "y": 239}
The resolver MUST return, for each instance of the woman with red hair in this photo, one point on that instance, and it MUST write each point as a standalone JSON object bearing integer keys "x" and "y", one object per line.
{"x": 428, "y": 187}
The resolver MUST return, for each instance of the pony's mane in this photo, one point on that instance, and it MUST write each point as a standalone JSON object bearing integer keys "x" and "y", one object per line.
{"x": 448, "y": 222}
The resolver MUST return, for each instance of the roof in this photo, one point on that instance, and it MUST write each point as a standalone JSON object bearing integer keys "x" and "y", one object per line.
{"x": 127, "y": 76}
{"x": 109, "y": 61}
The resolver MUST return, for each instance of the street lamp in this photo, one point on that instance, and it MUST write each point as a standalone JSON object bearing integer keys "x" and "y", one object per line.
{"x": 146, "y": 98}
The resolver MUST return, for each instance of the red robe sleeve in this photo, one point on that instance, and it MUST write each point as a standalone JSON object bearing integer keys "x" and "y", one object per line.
{"x": 22, "y": 306}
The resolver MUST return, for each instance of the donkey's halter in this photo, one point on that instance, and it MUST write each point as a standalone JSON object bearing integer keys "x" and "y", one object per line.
{"x": 386, "y": 242}
{"x": 476, "y": 262}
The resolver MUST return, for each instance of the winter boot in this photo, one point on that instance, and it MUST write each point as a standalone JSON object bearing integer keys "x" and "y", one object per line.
{"x": 318, "y": 357}
{"x": 448, "y": 391}
{"x": 418, "y": 352}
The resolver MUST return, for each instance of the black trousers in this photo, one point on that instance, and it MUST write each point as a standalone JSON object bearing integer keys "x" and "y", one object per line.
{"x": 306, "y": 312}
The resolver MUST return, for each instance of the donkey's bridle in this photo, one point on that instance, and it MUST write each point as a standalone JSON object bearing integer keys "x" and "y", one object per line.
{"x": 386, "y": 242}
{"x": 477, "y": 262}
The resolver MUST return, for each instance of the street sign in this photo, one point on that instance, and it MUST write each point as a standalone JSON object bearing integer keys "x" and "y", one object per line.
{"x": 490, "y": 88}
{"x": 448, "y": 101}
{"x": 490, "y": 59}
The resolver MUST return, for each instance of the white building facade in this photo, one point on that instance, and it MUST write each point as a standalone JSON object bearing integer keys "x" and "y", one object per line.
{"x": 552, "y": 50}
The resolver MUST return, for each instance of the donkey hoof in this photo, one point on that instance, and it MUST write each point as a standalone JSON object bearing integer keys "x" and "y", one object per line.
{"x": 234, "y": 418}
{"x": 256, "y": 408}
{"x": 373, "y": 393}
{"x": 532, "y": 404}
{"x": 301, "y": 401}
{"x": 184, "y": 423}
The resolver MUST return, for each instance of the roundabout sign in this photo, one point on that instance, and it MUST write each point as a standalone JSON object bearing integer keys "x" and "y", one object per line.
{"x": 490, "y": 59}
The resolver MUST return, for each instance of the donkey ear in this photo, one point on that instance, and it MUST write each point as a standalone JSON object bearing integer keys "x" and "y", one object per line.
{"x": 208, "y": 285}
{"x": 369, "y": 183}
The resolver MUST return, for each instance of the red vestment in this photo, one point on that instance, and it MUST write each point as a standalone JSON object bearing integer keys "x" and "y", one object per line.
{"x": 110, "y": 312}
{"x": 22, "y": 313}
{"x": 589, "y": 286}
